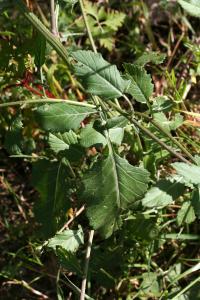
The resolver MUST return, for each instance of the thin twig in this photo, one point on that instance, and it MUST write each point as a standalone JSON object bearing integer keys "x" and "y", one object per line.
{"x": 72, "y": 219}
{"x": 87, "y": 259}
{"x": 87, "y": 26}
{"x": 131, "y": 118}
{"x": 53, "y": 18}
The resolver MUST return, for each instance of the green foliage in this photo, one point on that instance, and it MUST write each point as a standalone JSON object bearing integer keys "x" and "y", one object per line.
{"x": 192, "y": 7}
{"x": 103, "y": 23}
{"x": 128, "y": 170}
{"x": 141, "y": 87}
{"x": 110, "y": 187}
{"x": 68, "y": 239}
{"x": 95, "y": 73}
{"x": 50, "y": 180}
{"x": 164, "y": 193}
{"x": 61, "y": 141}
{"x": 59, "y": 117}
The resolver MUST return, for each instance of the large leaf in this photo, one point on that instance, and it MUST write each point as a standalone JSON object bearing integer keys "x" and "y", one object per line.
{"x": 110, "y": 187}
{"x": 61, "y": 141}
{"x": 141, "y": 87}
{"x": 98, "y": 76}
{"x": 163, "y": 193}
{"x": 192, "y": 7}
{"x": 50, "y": 180}
{"x": 189, "y": 172}
{"x": 61, "y": 116}
{"x": 68, "y": 239}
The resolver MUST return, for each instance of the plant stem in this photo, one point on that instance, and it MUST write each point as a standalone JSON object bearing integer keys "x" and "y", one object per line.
{"x": 87, "y": 26}
{"x": 87, "y": 259}
{"x": 46, "y": 100}
{"x": 161, "y": 129}
{"x": 53, "y": 18}
{"x": 131, "y": 118}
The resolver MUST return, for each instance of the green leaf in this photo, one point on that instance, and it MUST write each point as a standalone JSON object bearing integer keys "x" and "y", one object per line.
{"x": 69, "y": 261}
{"x": 99, "y": 77}
{"x": 111, "y": 186}
{"x": 192, "y": 7}
{"x": 150, "y": 285}
{"x": 89, "y": 137}
{"x": 189, "y": 172}
{"x": 13, "y": 138}
{"x": 186, "y": 214}
{"x": 116, "y": 135}
{"x": 39, "y": 50}
{"x": 142, "y": 227}
{"x": 151, "y": 56}
{"x": 61, "y": 116}
{"x": 162, "y": 104}
{"x": 196, "y": 201}
{"x": 68, "y": 239}
{"x": 116, "y": 122}
{"x": 164, "y": 193}
{"x": 61, "y": 141}
{"x": 141, "y": 87}
{"x": 50, "y": 180}
{"x": 114, "y": 19}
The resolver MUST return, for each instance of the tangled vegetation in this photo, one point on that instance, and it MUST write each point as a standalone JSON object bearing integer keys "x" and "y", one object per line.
{"x": 100, "y": 152}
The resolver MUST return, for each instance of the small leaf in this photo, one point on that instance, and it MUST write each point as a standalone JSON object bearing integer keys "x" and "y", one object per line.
{"x": 162, "y": 104}
{"x": 116, "y": 135}
{"x": 150, "y": 285}
{"x": 196, "y": 201}
{"x": 13, "y": 138}
{"x": 164, "y": 193}
{"x": 39, "y": 50}
{"x": 192, "y": 7}
{"x": 68, "y": 239}
{"x": 186, "y": 214}
{"x": 60, "y": 142}
{"x": 50, "y": 180}
{"x": 69, "y": 261}
{"x": 147, "y": 57}
{"x": 116, "y": 122}
{"x": 189, "y": 172}
{"x": 89, "y": 137}
{"x": 112, "y": 185}
{"x": 61, "y": 116}
{"x": 141, "y": 87}
{"x": 99, "y": 76}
